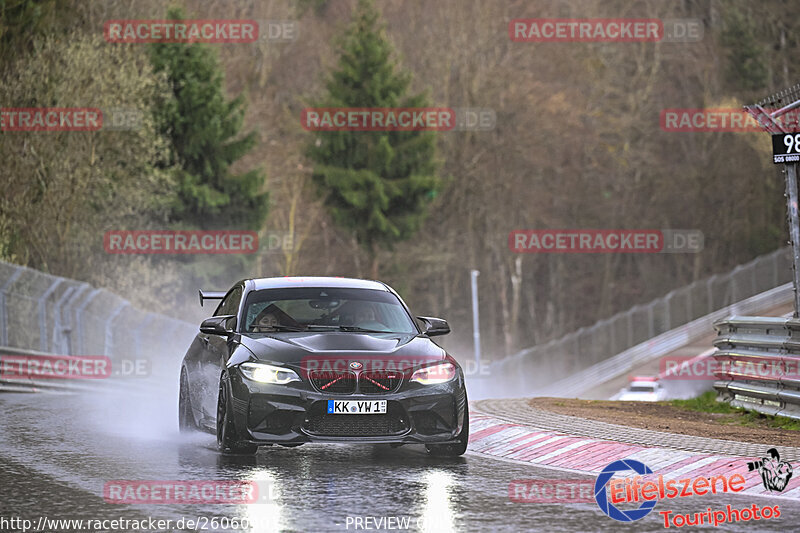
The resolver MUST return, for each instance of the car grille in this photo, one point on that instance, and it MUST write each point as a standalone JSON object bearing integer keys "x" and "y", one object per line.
{"x": 318, "y": 422}
{"x": 332, "y": 381}
{"x": 379, "y": 382}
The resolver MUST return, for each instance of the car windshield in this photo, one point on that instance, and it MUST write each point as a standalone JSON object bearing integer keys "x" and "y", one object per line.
{"x": 319, "y": 309}
{"x": 642, "y": 388}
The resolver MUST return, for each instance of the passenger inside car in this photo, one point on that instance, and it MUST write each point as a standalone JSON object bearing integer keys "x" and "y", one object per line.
{"x": 366, "y": 317}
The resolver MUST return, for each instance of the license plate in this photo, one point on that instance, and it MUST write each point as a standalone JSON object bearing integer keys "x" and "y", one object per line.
{"x": 356, "y": 407}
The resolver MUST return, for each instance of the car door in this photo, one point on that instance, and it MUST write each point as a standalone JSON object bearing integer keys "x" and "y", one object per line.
{"x": 215, "y": 353}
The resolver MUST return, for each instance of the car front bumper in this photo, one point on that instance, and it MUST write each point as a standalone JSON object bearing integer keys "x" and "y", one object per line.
{"x": 296, "y": 413}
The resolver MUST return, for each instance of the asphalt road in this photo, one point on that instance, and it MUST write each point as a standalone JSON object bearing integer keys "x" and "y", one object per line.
{"x": 58, "y": 452}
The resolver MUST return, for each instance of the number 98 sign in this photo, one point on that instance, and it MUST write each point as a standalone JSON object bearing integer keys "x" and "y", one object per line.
{"x": 786, "y": 148}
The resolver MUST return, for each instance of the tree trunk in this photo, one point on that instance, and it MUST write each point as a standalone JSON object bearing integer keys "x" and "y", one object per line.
{"x": 374, "y": 266}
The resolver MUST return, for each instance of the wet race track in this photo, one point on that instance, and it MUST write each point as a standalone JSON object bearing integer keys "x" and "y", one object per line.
{"x": 58, "y": 451}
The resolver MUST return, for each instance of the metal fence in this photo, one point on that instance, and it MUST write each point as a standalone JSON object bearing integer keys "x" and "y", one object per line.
{"x": 757, "y": 364}
{"x": 63, "y": 316}
{"x": 580, "y": 383}
{"x": 538, "y": 368}
{"x": 56, "y": 315}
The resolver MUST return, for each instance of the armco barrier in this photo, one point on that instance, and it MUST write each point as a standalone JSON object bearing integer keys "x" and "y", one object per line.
{"x": 757, "y": 364}
{"x": 18, "y": 372}
{"x": 29, "y": 384}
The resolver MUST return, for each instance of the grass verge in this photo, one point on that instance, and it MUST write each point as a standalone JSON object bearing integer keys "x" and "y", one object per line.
{"x": 707, "y": 403}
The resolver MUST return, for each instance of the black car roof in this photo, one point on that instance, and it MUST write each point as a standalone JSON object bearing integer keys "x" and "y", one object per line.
{"x": 315, "y": 281}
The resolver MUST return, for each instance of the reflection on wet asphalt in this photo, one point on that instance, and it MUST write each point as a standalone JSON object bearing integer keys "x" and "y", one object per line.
{"x": 58, "y": 451}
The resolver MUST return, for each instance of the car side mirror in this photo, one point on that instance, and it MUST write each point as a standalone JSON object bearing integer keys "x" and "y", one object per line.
{"x": 434, "y": 326}
{"x": 219, "y": 325}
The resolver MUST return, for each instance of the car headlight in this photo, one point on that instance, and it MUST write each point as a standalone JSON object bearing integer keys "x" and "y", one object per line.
{"x": 264, "y": 373}
{"x": 435, "y": 374}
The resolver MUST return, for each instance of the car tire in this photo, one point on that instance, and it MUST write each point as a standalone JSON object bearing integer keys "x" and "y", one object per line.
{"x": 457, "y": 449}
{"x": 228, "y": 440}
{"x": 186, "y": 421}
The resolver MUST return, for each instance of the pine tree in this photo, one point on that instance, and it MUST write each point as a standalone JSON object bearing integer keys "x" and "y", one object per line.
{"x": 747, "y": 62}
{"x": 375, "y": 184}
{"x": 205, "y": 131}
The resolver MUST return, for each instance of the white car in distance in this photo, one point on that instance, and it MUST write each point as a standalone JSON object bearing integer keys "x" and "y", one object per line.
{"x": 642, "y": 390}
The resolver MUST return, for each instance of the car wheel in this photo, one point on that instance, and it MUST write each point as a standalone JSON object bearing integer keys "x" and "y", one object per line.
{"x": 228, "y": 440}
{"x": 457, "y": 449}
{"x": 186, "y": 422}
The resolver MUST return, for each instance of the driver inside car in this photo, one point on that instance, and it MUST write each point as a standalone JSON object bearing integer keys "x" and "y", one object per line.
{"x": 265, "y": 322}
{"x": 273, "y": 318}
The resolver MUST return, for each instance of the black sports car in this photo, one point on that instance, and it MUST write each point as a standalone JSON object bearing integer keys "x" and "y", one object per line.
{"x": 294, "y": 360}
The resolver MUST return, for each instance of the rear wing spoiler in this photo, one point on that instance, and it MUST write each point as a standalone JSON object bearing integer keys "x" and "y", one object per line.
{"x": 210, "y": 295}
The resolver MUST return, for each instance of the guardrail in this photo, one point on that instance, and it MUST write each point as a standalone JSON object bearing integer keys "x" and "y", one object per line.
{"x": 26, "y": 383}
{"x": 50, "y": 314}
{"x": 757, "y": 364}
{"x": 42, "y": 315}
{"x": 33, "y": 371}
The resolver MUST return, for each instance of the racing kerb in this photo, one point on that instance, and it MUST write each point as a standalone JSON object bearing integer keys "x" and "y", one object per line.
{"x": 42, "y": 314}
{"x": 762, "y": 357}
{"x": 568, "y": 366}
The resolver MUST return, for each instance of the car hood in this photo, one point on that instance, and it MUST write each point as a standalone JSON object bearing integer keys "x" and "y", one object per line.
{"x": 334, "y": 347}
